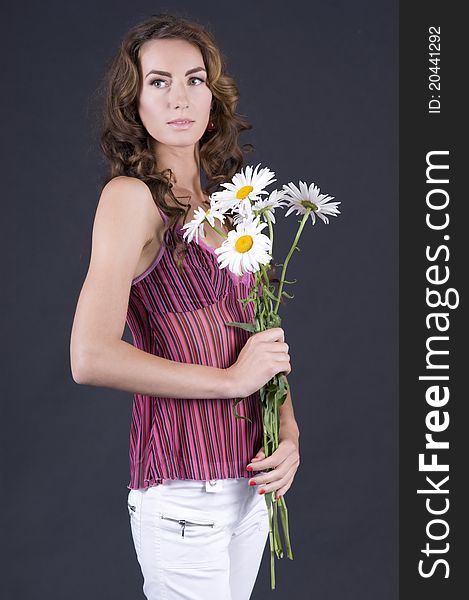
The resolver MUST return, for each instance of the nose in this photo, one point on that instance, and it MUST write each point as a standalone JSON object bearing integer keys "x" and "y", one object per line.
{"x": 179, "y": 97}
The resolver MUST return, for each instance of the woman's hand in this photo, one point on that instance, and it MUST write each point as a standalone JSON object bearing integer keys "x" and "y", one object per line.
{"x": 268, "y": 351}
{"x": 285, "y": 462}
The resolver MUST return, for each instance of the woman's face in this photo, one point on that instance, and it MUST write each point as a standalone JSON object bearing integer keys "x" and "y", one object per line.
{"x": 174, "y": 87}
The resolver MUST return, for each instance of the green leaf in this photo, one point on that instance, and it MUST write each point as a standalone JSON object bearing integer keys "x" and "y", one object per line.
{"x": 246, "y": 326}
{"x": 235, "y": 414}
{"x": 268, "y": 293}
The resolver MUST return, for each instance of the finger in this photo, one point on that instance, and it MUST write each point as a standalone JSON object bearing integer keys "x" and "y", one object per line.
{"x": 259, "y": 456}
{"x": 274, "y": 485}
{"x": 285, "y": 471}
{"x": 260, "y": 453}
{"x": 262, "y": 481}
{"x": 278, "y": 347}
{"x": 262, "y": 464}
{"x": 282, "y": 491}
{"x": 272, "y": 334}
{"x": 280, "y": 455}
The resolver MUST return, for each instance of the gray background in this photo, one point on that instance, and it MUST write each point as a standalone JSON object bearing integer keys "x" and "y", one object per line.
{"x": 319, "y": 82}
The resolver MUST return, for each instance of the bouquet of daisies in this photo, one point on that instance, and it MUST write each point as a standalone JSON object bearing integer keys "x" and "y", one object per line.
{"x": 245, "y": 249}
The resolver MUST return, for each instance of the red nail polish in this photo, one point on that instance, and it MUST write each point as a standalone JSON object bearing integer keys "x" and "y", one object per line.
{"x": 261, "y": 491}
{"x": 252, "y": 482}
{"x": 249, "y": 468}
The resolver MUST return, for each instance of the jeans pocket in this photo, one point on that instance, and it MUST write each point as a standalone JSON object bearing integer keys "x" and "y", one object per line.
{"x": 188, "y": 522}
{"x": 131, "y": 504}
{"x": 134, "y": 499}
{"x": 189, "y": 541}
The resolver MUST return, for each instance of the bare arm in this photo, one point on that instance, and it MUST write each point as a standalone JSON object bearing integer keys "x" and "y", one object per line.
{"x": 287, "y": 417}
{"x": 99, "y": 356}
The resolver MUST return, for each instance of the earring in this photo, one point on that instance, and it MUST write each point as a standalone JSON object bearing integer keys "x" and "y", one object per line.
{"x": 211, "y": 126}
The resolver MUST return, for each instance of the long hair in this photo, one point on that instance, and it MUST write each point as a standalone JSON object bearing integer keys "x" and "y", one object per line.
{"x": 127, "y": 144}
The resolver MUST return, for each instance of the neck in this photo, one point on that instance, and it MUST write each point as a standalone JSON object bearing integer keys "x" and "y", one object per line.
{"x": 184, "y": 162}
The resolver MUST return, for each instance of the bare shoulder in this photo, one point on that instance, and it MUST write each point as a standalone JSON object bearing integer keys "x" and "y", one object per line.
{"x": 123, "y": 182}
{"x": 123, "y": 189}
{"x": 132, "y": 197}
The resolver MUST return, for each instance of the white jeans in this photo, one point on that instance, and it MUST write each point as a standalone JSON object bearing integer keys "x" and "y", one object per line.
{"x": 199, "y": 540}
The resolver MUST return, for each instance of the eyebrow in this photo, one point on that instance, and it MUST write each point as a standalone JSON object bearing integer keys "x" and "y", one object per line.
{"x": 194, "y": 70}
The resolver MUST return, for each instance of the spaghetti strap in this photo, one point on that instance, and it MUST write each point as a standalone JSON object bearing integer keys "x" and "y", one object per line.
{"x": 163, "y": 216}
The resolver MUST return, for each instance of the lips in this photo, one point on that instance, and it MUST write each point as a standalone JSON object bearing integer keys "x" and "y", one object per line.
{"x": 181, "y": 121}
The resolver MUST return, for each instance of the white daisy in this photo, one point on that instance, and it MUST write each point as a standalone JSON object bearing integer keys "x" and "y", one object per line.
{"x": 196, "y": 227}
{"x": 268, "y": 205}
{"x": 245, "y": 248}
{"x": 304, "y": 198}
{"x": 245, "y": 188}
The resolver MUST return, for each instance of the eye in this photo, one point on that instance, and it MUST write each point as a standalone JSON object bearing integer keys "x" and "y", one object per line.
{"x": 199, "y": 78}
{"x": 155, "y": 80}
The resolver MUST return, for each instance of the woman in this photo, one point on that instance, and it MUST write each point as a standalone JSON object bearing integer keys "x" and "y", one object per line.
{"x": 198, "y": 519}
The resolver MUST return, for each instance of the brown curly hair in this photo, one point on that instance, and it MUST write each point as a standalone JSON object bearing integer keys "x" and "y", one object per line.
{"x": 128, "y": 145}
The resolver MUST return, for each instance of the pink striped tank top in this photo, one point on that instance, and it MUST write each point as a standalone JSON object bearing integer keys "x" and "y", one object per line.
{"x": 182, "y": 317}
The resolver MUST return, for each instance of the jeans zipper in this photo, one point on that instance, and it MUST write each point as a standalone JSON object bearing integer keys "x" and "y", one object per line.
{"x": 184, "y": 522}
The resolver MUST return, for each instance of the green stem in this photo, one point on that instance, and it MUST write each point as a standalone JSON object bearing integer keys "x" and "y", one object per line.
{"x": 219, "y": 231}
{"x": 285, "y": 264}
{"x": 271, "y": 232}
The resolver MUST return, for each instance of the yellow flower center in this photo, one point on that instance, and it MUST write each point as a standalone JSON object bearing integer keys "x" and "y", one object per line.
{"x": 244, "y": 243}
{"x": 243, "y": 192}
{"x": 309, "y": 204}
